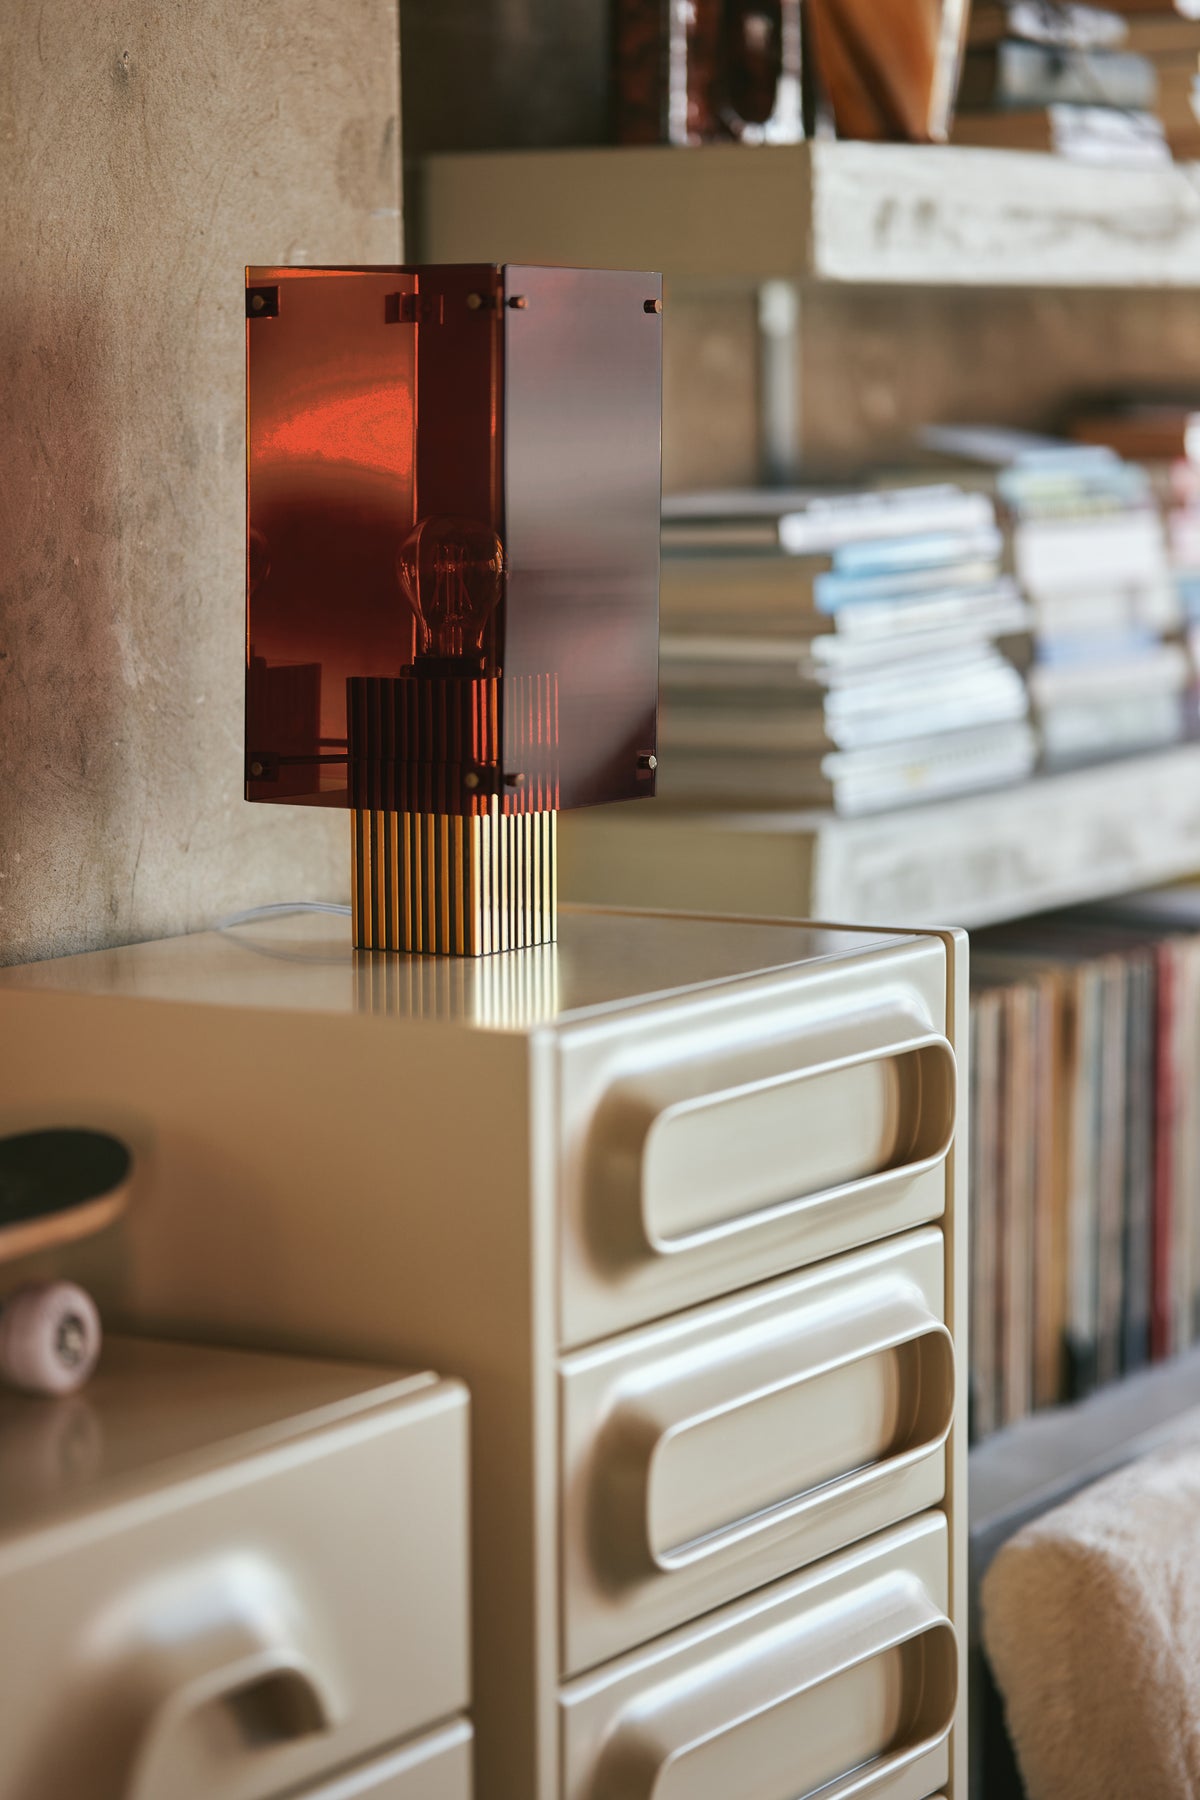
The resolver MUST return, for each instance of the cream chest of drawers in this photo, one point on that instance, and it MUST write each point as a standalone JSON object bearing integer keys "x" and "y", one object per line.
{"x": 677, "y": 1198}
{"x": 228, "y": 1576}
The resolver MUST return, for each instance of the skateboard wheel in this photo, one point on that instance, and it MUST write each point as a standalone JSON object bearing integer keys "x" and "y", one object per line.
{"x": 49, "y": 1338}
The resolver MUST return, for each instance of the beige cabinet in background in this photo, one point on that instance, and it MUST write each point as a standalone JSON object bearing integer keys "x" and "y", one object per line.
{"x": 228, "y": 1576}
{"x": 680, "y": 1199}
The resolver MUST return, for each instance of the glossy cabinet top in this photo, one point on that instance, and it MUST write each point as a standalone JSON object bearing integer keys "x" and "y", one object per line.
{"x": 604, "y": 962}
{"x": 156, "y": 1412}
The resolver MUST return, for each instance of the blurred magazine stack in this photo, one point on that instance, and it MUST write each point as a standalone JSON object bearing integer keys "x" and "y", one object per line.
{"x": 1089, "y": 552}
{"x": 823, "y": 648}
{"x": 1183, "y": 537}
{"x": 1165, "y": 434}
{"x": 1085, "y": 1150}
{"x": 1113, "y": 83}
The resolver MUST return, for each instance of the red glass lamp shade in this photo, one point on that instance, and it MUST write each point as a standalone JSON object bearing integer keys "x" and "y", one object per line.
{"x": 454, "y": 478}
{"x": 452, "y": 570}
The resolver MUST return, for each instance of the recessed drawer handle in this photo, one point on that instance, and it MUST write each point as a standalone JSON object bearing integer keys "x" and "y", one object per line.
{"x": 225, "y": 1635}
{"x": 871, "y": 1104}
{"x": 673, "y": 1741}
{"x": 713, "y": 1391}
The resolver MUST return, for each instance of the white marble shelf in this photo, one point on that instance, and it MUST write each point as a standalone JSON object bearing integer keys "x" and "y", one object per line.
{"x": 970, "y": 861}
{"x": 821, "y": 212}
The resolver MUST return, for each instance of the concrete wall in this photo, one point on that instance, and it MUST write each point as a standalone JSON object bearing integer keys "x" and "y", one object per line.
{"x": 146, "y": 153}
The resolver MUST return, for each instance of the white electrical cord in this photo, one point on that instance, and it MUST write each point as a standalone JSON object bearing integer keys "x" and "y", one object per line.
{"x": 279, "y": 909}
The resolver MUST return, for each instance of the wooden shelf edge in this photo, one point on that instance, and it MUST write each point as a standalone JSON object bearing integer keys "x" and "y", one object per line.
{"x": 974, "y": 860}
{"x": 1021, "y": 1472}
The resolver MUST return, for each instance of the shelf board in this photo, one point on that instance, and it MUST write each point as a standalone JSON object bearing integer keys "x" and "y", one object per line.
{"x": 971, "y": 861}
{"x": 1019, "y": 1473}
{"x": 909, "y": 214}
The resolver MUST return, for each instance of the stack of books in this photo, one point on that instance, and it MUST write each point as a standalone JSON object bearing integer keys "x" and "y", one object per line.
{"x": 1149, "y": 430}
{"x": 840, "y": 649}
{"x": 1085, "y": 1150}
{"x": 1183, "y": 535}
{"x": 1166, "y": 434}
{"x": 1113, "y": 83}
{"x": 1089, "y": 552}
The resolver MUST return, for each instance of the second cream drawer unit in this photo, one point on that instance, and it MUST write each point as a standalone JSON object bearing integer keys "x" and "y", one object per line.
{"x": 678, "y": 1198}
{"x": 223, "y": 1576}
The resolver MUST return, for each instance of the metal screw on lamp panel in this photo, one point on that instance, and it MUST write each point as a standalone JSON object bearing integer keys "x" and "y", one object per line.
{"x": 648, "y": 760}
{"x": 514, "y": 780}
{"x": 256, "y": 768}
{"x": 520, "y": 301}
{"x": 475, "y": 301}
{"x": 471, "y": 779}
{"x": 262, "y": 303}
{"x": 652, "y": 306}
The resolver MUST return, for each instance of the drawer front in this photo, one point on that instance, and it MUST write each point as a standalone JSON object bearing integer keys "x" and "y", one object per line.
{"x": 723, "y": 1449}
{"x": 245, "y": 1631}
{"x": 842, "y": 1682}
{"x": 435, "y": 1767}
{"x": 718, "y": 1141}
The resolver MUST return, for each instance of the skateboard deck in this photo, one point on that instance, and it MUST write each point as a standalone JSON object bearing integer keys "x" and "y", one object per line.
{"x": 59, "y": 1186}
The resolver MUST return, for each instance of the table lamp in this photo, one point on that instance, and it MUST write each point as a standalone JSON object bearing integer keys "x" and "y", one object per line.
{"x": 453, "y": 486}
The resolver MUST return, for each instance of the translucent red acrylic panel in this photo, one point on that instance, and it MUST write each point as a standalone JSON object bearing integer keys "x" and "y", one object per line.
{"x": 452, "y": 557}
{"x": 582, "y": 462}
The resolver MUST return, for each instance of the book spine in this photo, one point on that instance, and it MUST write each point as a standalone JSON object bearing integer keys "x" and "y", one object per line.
{"x": 658, "y": 69}
{"x": 1162, "y": 1310}
{"x": 1016, "y": 75}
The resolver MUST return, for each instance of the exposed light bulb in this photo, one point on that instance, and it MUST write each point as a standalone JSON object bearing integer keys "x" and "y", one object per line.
{"x": 452, "y": 575}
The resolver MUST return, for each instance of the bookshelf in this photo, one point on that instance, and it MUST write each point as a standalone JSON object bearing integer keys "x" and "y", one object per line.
{"x": 973, "y": 860}
{"x": 725, "y": 221}
{"x": 840, "y": 213}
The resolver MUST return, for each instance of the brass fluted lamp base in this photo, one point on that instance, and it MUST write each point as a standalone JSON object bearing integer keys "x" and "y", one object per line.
{"x": 451, "y": 884}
